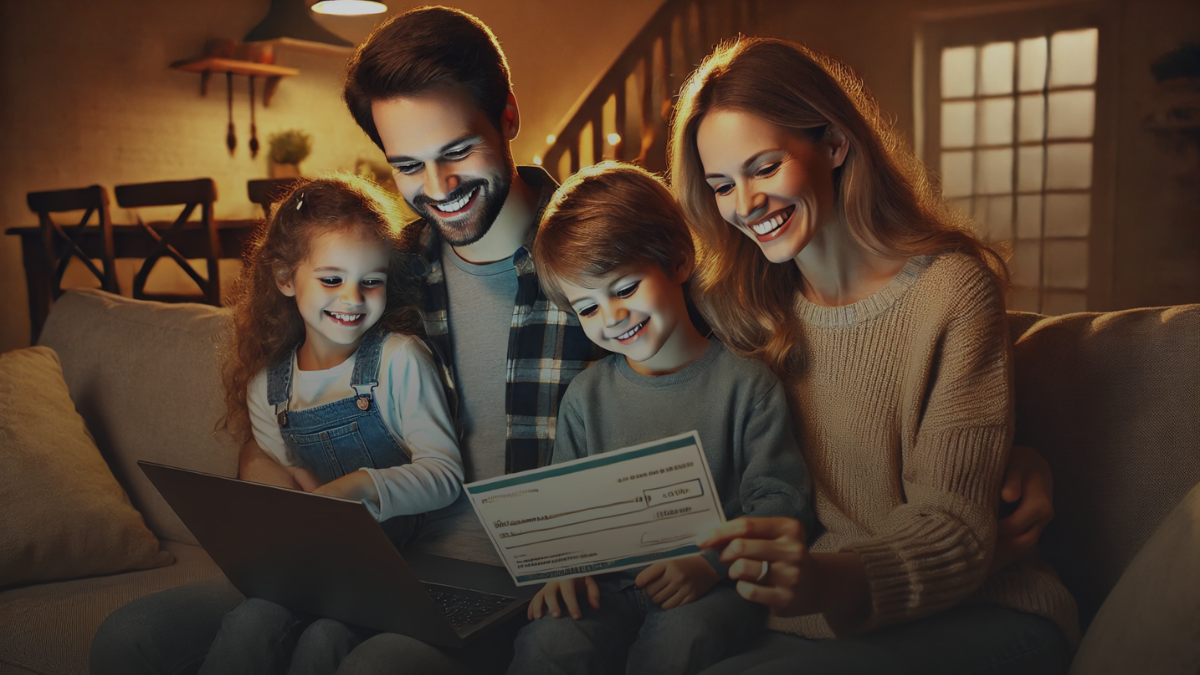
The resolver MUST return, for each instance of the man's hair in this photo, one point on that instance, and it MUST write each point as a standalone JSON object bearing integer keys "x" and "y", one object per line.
{"x": 603, "y": 218}
{"x": 424, "y": 49}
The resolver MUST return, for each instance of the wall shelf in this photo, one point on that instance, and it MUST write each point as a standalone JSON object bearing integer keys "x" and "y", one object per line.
{"x": 208, "y": 65}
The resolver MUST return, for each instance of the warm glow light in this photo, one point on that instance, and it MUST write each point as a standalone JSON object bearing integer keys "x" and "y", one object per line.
{"x": 550, "y": 138}
{"x": 349, "y": 7}
{"x": 537, "y": 160}
{"x": 613, "y": 139}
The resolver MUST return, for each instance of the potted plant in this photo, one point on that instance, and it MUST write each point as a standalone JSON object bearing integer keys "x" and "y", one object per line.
{"x": 288, "y": 149}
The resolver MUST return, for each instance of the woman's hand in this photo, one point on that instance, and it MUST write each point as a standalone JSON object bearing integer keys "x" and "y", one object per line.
{"x": 672, "y": 583}
{"x": 797, "y": 582}
{"x": 356, "y": 485}
{"x": 548, "y": 597}
{"x": 1029, "y": 483}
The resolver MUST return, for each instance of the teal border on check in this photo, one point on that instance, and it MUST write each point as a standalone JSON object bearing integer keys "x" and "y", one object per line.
{"x": 575, "y": 467}
{"x": 622, "y": 562}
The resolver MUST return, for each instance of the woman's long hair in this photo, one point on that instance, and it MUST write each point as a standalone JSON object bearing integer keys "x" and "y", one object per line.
{"x": 266, "y": 324}
{"x": 891, "y": 204}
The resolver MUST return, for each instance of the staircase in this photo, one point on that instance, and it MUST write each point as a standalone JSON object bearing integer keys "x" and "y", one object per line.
{"x": 632, "y": 100}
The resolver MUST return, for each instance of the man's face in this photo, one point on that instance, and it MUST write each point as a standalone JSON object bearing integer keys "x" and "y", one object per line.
{"x": 452, "y": 166}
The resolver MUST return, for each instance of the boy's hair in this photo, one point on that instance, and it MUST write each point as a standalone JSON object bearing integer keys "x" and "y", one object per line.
{"x": 603, "y": 218}
{"x": 424, "y": 49}
{"x": 266, "y": 323}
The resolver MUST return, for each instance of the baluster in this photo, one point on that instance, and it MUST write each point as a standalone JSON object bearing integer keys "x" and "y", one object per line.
{"x": 574, "y": 150}
{"x": 598, "y": 136}
{"x": 619, "y": 120}
{"x": 665, "y": 74}
{"x": 647, "y": 121}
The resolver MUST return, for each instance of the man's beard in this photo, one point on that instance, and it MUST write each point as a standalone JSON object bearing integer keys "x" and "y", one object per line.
{"x": 466, "y": 231}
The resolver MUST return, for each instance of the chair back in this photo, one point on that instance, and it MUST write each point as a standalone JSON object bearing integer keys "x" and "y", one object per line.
{"x": 190, "y": 195}
{"x": 267, "y": 192}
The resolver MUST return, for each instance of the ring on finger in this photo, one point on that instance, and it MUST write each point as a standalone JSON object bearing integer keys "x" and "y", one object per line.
{"x": 766, "y": 567}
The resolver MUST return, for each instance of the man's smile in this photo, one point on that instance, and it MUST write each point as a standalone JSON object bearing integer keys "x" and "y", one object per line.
{"x": 458, "y": 206}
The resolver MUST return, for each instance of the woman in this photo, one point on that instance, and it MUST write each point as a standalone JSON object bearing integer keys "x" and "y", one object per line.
{"x": 826, "y": 252}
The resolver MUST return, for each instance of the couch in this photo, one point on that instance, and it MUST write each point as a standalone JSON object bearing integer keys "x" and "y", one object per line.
{"x": 1109, "y": 399}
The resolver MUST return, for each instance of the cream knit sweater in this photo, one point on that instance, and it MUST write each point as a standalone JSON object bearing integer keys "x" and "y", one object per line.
{"x": 905, "y": 412}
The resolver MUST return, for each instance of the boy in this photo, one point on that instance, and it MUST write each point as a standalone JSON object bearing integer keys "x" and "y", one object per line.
{"x": 613, "y": 248}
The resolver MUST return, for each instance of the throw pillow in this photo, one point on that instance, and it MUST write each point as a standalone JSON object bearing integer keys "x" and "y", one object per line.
{"x": 65, "y": 515}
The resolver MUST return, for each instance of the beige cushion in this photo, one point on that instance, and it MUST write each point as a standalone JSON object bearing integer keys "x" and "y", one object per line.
{"x": 48, "y": 628}
{"x": 1110, "y": 400}
{"x": 65, "y": 515}
{"x": 1150, "y": 623}
{"x": 145, "y": 377}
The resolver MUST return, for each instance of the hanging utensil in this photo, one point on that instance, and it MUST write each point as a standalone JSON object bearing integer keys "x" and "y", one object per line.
{"x": 231, "y": 135}
{"x": 253, "y": 125}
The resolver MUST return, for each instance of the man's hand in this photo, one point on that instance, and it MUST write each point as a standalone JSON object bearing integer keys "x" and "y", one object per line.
{"x": 356, "y": 485}
{"x": 568, "y": 588}
{"x": 1027, "y": 483}
{"x": 258, "y": 467}
{"x": 673, "y": 583}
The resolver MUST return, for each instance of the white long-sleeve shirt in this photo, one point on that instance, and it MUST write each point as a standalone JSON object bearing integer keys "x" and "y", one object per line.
{"x": 413, "y": 406}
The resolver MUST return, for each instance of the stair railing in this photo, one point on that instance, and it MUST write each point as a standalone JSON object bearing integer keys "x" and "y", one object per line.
{"x": 648, "y": 74}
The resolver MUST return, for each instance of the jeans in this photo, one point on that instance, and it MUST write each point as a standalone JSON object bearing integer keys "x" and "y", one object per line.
{"x": 164, "y": 633}
{"x": 630, "y": 634}
{"x": 393, "y": 654}
{"x": 970, "y": 640}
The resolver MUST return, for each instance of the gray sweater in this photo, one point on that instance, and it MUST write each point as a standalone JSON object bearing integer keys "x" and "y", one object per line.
{"x": 737, "y": 406}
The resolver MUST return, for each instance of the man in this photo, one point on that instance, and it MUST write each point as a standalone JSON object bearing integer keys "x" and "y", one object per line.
{"x": 431, "y": 88}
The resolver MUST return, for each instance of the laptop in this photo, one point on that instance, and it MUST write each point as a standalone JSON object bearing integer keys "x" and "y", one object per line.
{"x": 328, "y": 556}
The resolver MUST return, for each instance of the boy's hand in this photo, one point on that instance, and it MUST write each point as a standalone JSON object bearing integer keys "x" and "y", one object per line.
{"x": 673, "y": 583}
{"x": 568, "y": 588}
{"x": 356, "y": 485}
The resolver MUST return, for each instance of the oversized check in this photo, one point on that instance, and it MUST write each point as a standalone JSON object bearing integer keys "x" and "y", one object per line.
{"x": 622, "y": 509}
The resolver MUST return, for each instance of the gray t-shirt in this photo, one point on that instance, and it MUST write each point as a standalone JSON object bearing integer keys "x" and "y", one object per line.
{"x": 480, "y": 314}
{"x": 738, "y": 407}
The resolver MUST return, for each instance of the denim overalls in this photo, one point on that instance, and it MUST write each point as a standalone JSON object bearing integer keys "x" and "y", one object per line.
{"x": 334, "y": 439}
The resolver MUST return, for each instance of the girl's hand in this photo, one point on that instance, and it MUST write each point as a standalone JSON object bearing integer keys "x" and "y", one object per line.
{"x": 673, "y": 583}
{"x": 568, "y": 588}
{"x": 1029, "y": 484}
{"x": 305, "y": 479}
{"x": 356, "y": 485}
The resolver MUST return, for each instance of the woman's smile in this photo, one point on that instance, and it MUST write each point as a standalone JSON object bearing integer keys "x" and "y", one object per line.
{"x": 773, "y": 225}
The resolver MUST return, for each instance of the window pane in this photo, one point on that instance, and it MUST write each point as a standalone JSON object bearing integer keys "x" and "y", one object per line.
{"x": 957, "y": 171}
{"x": 1032, "y": 114}
{"x": 1024, "y": 264}
{"x": 996, "y": 219}
{"x": 1072, "y": 114}
{"x": 1066, "y": 264}
{"x": 996, "y": 121}
{"x": 958, "y": 72}
{"x": 996, "y": 68}
{"x": 1029, "y": 216}
{"x": 963, "y": 206}
{"x": 958, "y": 124}
{"x": 1068, "y": 215}
{"x": 1033, "y": 65}
{"x": 1064, "y": 302}
{"x": 1073, "y": 57}
{"x": 1069, "y": 166}
{"x": 1029, "y": 168}
{"x": 995, "y": 171}
{"x": 1024, "y": 300}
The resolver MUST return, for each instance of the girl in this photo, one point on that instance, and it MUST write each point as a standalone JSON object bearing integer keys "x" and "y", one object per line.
{"x": 329, "y": 379}
{"x": 826, "y": 251}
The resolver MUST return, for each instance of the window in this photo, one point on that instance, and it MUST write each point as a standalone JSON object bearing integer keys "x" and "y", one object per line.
{"x": 1013, "y": 138}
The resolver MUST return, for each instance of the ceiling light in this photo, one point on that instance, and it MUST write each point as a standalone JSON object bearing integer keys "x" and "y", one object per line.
{"x": 349, "y": 7}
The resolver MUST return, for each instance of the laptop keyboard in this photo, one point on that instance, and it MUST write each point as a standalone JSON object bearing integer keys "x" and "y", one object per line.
{"x": 463, "y": 607}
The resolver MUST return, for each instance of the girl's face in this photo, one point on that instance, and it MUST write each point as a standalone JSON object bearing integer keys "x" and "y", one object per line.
{"x": 773, "y": 185}
{"x": 341, "y": 291}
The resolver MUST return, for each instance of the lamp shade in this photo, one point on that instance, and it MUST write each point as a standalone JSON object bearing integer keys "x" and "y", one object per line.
{"x": 349, "y": 7}
{"x": 291, "y": 19}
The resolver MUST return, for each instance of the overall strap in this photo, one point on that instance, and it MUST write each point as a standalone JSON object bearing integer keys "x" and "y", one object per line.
{"x": 279, "y": 386}
{"x": 367, "y": 361}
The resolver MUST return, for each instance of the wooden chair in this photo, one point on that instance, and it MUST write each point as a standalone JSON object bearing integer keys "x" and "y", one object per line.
{"x": 267, "y": 192}
{"x": 189, "y": 194}
{"x": 61, "y": 243}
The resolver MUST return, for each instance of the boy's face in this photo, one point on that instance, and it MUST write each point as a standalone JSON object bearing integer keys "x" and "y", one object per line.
{"x": 633, "y": 311}
{"x": 450, "y": 163}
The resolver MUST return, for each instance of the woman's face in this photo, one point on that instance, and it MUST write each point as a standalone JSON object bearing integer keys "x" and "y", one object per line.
{"x": 773, "y": 185}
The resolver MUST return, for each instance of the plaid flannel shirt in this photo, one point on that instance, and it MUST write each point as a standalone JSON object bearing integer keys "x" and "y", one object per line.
{"x": 546, "y": 345}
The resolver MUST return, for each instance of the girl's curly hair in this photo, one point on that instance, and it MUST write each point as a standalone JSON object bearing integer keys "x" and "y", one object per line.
{"x": 266, "y": 324}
